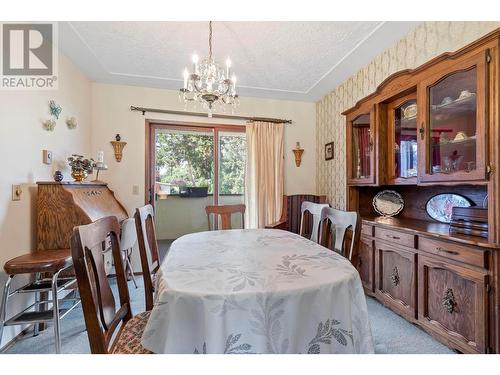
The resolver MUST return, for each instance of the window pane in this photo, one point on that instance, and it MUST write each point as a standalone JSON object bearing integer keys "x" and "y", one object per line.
{"x": 405, "y": 137}
{"x": 232, "y": 153}
{"x": 232, "y": 163}
{"x": 361, "y": 147}
{"x": 184, "y": 159}
{"x": 452, "y": 111}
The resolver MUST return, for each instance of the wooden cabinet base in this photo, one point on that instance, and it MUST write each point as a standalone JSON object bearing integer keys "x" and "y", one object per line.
{"x": 449, "y": 293}
{"x": 453, "y": 303}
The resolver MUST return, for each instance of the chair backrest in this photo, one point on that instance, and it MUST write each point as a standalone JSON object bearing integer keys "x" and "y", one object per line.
{"x": 292, "y": 205}
{"x": 129, "y": 234}
{"x": 315, "y": 210}
{"x": 225, "y": 213}
{"x": 148, "y": 249}
{"x": 340, "y": 222}
{"x": 102, "y": 318}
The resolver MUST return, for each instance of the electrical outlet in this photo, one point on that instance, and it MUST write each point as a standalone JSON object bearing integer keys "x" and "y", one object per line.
{"x": 135, "y": 189}
{"x": 47, "y": 157}
{"x": 16, "y": 192}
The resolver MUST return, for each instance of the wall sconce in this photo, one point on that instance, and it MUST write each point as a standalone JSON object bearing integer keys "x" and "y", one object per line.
{"x": 118, "y": 146}
{"x": 298, "y": 154}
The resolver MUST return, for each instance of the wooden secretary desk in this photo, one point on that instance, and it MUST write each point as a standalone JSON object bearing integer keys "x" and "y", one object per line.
{"x": 63, "y": 205}
{"x": 434, "y": 129}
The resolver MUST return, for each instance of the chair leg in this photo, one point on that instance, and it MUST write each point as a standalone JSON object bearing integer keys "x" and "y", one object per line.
{"x": 129, "y": 265}
{"x": 55, "y": 308}
{"x": 3, "y": 306}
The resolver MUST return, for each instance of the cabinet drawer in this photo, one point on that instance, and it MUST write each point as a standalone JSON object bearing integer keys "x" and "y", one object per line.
{"x": 451, "y": 250}
{"x": 367, "y": 230}
{"x": 395, "y": 236}
{"x": 453, "y": 303}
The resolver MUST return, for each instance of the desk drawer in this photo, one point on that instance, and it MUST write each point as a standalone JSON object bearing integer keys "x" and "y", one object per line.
{"x": 400, "y": 238}
{"x": 454, "y": 251}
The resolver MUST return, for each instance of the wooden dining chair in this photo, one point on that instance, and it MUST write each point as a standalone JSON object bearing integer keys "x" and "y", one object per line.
{"x": 315, "y": 210}
{"x": 225, "y": 212}
{"x": 148, "y": 250}
{"x": 340, "y": 222}
{"x": 102, "y": 318}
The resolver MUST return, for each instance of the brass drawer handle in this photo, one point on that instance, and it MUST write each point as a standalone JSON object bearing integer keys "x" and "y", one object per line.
{"x": 449, "y": 302}
{"x": 441, "y": 250}
{"x": 393, "y": 237}
{"x": 395, "y": 276}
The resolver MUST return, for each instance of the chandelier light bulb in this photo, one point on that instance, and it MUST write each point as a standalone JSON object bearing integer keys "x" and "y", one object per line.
{"x": 186, "y": 75}
{"x": 195, "y": 63}
{"x": 228, "y": 67}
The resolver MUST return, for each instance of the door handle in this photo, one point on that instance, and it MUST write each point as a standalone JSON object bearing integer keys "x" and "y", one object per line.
{"x": 441, "y": 250}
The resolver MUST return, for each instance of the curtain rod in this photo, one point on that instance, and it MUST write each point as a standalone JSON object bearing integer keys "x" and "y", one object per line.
{"x": 201, "y": 114}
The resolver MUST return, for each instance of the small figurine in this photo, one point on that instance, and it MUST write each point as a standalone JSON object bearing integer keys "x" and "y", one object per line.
{"x": 71, "y": 123}
{"x": 55, "y": 109}
{"x": 49, "y": 125}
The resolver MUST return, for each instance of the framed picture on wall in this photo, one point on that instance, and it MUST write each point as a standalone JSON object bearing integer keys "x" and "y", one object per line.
{"x": 329, "y": 151}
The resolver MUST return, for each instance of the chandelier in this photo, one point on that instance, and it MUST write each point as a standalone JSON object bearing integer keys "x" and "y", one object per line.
{"x": 208, "y": 83}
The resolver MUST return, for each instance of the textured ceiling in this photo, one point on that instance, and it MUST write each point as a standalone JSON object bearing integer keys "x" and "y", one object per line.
{"x": 282, "y": 60}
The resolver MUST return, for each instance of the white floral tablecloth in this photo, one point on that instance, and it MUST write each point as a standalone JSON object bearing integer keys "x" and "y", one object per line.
{"x": 256, "y": 291}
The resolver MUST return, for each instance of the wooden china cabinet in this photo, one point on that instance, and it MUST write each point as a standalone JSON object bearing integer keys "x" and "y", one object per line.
{"x": 427, "y": 131}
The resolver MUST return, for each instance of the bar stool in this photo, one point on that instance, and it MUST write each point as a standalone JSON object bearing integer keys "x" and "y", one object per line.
{"x": 127, "y": 241}
{"x": 41, "y": 264}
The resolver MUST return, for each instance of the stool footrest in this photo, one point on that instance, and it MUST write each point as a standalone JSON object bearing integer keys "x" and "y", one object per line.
{"x": 45, "y": 285}
{"x": 30, "y": 317}
{"x": 33, "y": 317}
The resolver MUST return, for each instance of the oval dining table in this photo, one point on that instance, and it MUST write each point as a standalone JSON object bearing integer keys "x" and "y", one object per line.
{"x": 256, "y": 291}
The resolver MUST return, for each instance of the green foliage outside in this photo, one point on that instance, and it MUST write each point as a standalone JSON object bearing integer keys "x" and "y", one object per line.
{"x": 187, "y": 160}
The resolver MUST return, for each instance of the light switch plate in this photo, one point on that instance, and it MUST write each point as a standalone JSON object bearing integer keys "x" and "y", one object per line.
{"x": 47, "y": 157}
{"x": 16, "y": 192}
{"x": 135, "y": 189}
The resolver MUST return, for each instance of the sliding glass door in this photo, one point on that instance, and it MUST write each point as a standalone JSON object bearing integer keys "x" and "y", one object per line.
{"x": 191, "y": 167}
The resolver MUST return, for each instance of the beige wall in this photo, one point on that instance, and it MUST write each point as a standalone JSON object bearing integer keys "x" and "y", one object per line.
{"x": 425, "y": 42}
{"x": 22, "y": 140}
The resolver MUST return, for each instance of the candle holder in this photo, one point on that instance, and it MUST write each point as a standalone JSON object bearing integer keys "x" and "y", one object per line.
{"x": 99, "y": 167}
{"x": 298, "y": 151}
{"x": 118, "y": 146}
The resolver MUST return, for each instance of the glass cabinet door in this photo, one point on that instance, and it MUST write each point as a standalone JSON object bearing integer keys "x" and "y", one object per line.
{"x": 361, "y": 149}
{"x": 403, "y": 156}
{"x": 455, "y": 121}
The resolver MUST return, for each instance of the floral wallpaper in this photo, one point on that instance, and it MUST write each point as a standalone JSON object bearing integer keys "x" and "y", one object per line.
{"x": 428, "y": 40}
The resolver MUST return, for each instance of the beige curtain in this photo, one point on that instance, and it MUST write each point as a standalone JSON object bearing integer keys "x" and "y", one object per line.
{"x": 264, "y": 174}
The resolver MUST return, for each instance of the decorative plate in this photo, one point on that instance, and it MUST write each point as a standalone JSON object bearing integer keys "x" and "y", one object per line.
{"x": 439, "y": 207}
{"x": 388, "y": 203}
{"x": 410, "y": 111}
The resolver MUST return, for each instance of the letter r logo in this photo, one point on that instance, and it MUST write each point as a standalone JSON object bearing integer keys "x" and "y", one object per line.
{"x": 27, "y": 49}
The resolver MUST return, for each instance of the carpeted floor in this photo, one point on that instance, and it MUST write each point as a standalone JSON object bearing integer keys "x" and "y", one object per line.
{"x": 392, "y": 334}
